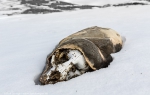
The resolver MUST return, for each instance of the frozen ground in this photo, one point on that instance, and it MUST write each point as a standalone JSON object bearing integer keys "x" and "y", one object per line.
{"x": 26, "y": 40}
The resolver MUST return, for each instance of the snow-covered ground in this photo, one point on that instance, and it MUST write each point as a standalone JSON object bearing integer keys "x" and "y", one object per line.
{"x": 6, "y": 5}
{"x": 13, "y": 7}
{"x": 26, "y": 40}
{"x": 101, "y": 2}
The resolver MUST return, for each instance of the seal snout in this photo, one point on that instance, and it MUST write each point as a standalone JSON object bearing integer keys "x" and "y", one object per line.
{"x": 52, "y": 78}
{"x": 55, "y": 75}
{"x": 43, "y": 79}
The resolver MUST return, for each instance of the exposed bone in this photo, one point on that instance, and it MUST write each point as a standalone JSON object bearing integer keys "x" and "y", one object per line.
{"x": 75, "y": 66}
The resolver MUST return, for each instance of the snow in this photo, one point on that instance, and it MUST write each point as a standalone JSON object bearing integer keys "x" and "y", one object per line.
{"x": 26, "y": 40}
{"x": 11, "y": 7}
{"x": 77, "y": 59}
{"x": 97, "y": 2}
{"x": 6, "y": 4}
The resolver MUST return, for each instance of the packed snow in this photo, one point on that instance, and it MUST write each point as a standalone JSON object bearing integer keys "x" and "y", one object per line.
{"x": 26, "y": 40}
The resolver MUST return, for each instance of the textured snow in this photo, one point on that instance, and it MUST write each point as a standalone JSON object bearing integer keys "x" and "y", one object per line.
{"x": 26, "y": 40}
{"x": 11, "y": 7}
{"x": 97, "y": 2}
{"x": 7, "y": 4}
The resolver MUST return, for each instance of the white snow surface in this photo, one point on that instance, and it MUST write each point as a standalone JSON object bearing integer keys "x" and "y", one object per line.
{"x": 8, "y": 4}
{"x": 11, "y": 7}
{"x": 26, "y": 40}
{"x": 77, "y": 59}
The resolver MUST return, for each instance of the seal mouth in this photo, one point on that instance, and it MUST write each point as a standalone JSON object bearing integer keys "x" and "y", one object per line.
{"x": 66, "y": 64}
{"x": 55, "y": 76}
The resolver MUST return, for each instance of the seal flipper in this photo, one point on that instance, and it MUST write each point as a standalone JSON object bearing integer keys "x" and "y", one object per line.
{"x": 107, "y": 62}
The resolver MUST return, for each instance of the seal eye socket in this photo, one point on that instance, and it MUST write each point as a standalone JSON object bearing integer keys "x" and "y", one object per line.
{"x": 61, "y": 56}
{"x": 73, "y": 68}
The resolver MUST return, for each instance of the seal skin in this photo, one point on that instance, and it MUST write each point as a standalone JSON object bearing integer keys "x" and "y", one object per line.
{"x": 95, "y": 43}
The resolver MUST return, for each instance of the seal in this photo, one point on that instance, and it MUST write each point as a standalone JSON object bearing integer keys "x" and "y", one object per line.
{"x": 83, "y": 51}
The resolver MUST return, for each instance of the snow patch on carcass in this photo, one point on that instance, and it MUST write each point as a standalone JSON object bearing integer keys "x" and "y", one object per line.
{"x": 75, "y": 59}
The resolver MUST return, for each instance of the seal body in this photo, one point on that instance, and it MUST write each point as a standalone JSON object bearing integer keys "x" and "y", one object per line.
{"x": 95, "y": 45}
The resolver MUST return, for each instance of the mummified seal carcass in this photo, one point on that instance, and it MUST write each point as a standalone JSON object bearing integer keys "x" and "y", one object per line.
{"x": 84, "y": 51}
